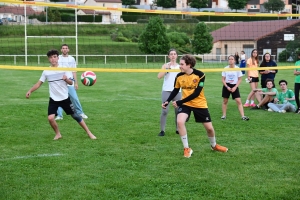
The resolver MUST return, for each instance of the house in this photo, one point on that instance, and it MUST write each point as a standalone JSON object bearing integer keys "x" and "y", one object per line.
{"x": 257, "y": 6}
{"x": 16, "y": 13}
{"x": 253, "y": 5}
{"x": 265, "y": 36}
{"x": 114, "y": 16}
{"x": 105, "y": 14}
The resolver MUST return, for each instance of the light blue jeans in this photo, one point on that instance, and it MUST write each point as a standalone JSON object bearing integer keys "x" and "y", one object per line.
{"x": 75, "y": 101}
{"x": 288, "y": 107}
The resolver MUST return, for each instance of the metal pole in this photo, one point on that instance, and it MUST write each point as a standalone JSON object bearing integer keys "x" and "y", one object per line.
{"x": 25, "y": 31}
{"x": 76, "y": 32}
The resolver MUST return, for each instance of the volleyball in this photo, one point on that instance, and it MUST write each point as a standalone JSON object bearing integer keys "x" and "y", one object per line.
{"x": 88, "y": 78}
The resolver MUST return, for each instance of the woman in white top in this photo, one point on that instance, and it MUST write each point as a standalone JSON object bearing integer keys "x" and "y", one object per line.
{"x": 231, "y": 80}
{"x": 167, "y": 88}
{"x": 243, "y": 61}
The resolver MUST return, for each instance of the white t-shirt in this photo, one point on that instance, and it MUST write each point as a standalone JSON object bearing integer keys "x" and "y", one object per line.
{"x": 169, "y": 79}
{"x": 243, "y": 56}
{"x": 68, "y": 61}
{"x": 57, "y": 86}
{"x": 232, "y": 76}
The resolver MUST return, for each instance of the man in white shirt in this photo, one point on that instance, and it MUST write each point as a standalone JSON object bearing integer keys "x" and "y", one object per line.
{"x": 58, "y": 89}
{"x": 65, "y": 60}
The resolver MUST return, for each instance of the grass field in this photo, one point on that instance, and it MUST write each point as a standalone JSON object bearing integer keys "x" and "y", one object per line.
{"x": 129, "y": 160}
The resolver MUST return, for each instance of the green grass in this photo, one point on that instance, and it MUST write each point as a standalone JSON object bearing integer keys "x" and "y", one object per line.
{"x": 129, "y": 160}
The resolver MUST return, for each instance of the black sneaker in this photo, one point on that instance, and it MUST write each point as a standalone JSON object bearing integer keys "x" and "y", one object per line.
{"x": 177, "y": 132}
{"x": 255, "y": 108}
{"x": 245, "y": 118}
{"x": 162, "y": 133}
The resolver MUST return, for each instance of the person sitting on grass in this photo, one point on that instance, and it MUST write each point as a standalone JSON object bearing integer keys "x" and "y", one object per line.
{"x": 286, "y": 98}
{"x": 266, "y": 94}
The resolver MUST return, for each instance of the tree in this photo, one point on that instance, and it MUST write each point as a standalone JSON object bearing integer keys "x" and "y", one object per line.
{"x": 237, "y": 4}
{"x": 203, "y": 41}
{"x": 165, "y": 3}
{"x": 274, "y": 5}
{"x": 292, "y": 48}
{"x": 57, "y": 16}
{"x": 128, "y": 2}
{"x": 178, "y": 39}
{"x": 198, "y": 4}
{"x": 153, "y": 39}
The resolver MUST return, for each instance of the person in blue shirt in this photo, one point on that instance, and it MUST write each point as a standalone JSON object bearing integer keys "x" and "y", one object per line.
{"x": 267, "y": 74}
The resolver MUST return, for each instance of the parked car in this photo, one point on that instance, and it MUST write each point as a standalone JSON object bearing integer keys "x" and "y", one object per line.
{"x": 1, "y": 23}
{"x": 8, "y": 20}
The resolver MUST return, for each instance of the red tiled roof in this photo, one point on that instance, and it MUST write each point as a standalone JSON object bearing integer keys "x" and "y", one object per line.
{"x": 250, "y": 30}
{"x": 17, "y": 10}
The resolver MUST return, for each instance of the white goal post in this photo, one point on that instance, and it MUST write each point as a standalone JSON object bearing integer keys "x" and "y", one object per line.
{"x": 62, "y": 37}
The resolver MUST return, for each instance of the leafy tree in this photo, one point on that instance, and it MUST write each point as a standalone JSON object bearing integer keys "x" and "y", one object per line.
{"x": 292, "y": 48}
{"x": 166, "y": 3}
{"x": 50, "y": 15}
{"x": 274, "y": 5}
{"x": 198, "y": 4}
{"x": 237, "y": 4}
{"x": 203, "y": 41}
{"x": 153, "y": 39}
{"x": 57, "y": 16}
{"x": 178, "y": 39}
{"x": 128, "y": 2}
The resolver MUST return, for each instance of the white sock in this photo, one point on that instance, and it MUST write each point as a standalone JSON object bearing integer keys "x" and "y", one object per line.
{"x": 212, "y": 141}
{"x": 184, "y": 140}
{"x": 252, "y": 101}
{"x": 247, "y": 101}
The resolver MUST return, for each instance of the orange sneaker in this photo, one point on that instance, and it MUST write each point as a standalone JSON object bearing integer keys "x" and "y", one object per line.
{"x": 187, "y": 152}
{"x": 219, "y": 148}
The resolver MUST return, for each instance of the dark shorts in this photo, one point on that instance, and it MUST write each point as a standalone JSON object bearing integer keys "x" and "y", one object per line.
{"x": 66, "y": 105}
{"x": 201, "y": 115}
{"x": 226, "y": 93}
{"x": 254, "y": 79}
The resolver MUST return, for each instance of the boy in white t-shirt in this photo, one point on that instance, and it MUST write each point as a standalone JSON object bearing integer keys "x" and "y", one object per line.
{"x": 58, "y": 89}
{"x": 231, "y": 80}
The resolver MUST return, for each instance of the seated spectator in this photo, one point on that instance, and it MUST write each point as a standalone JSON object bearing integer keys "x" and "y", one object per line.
{"x": 286, "y": 98}
{"x": 267, "y": 94}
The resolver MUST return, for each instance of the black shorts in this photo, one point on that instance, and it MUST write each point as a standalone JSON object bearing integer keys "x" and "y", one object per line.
{"x": 201, "y": 115}
{"x": 254, "y": 79}
{"x": 66, "y": 105}
{"x": 226, "y": 93}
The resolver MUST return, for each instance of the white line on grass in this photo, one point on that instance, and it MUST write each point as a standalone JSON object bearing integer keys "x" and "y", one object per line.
{"x": 32, "y": 156}
{"x": 132, "y": 98}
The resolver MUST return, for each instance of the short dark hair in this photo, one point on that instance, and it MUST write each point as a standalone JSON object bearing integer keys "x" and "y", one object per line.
{"x": 64, "y": 45}
{"x": 282, "y": 81}
{"x": 52, "y": 52}
{"x": 270, "y": 80}
{"x": 189, "y": 60}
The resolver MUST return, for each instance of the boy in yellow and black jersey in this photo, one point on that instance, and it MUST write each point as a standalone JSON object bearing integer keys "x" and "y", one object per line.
{"x": 191, "y": 81}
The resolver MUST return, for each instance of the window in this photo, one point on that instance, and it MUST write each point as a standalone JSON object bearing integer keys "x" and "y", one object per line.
{"x": 253, "y": 7}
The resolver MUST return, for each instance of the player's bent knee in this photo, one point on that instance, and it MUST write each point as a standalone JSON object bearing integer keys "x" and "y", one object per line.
{"x": 51, "y": 117}
{"x": 77, "y": 117}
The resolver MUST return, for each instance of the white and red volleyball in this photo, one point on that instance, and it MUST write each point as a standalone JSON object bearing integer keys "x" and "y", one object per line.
{"x": 88, "y": 78}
